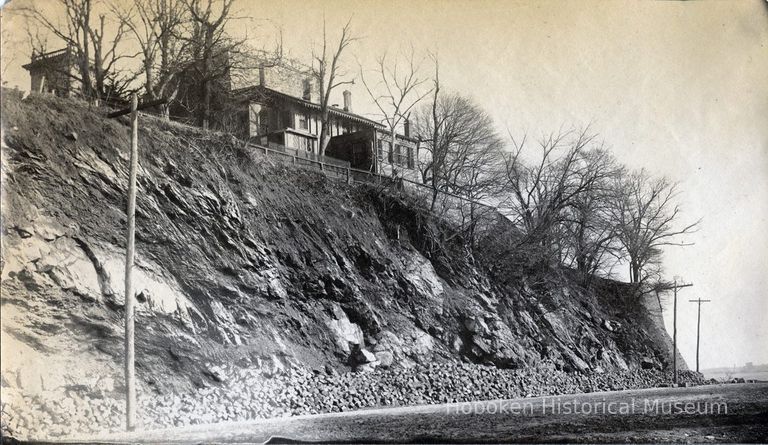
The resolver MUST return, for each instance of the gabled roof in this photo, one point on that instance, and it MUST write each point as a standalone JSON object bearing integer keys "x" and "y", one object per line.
{"x": 252, "y": 91}
{"x": 45, "y": 58}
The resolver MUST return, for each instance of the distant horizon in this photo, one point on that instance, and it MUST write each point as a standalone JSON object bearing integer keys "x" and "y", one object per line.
{"x": 744, "y": 366}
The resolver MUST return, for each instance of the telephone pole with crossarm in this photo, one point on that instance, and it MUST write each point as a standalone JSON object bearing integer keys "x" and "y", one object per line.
{"x": 675, "y": 286}
{"x": 698, "y": 328}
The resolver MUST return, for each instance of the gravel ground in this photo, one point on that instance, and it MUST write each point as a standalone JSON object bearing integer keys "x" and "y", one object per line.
{"x": 745, "y": 420}
{"x": 247, "y": 394}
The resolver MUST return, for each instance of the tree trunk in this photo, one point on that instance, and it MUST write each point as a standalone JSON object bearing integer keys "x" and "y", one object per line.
{"x": 634, "y": 272}
{"x": 98, "y": 67}
{"x": 149, "y": 84}
{"x": 206, "y": 112}
{"x": 85, "y": 56}
{"x": 472, "y": 222}
{"x": 581, "y": 264}
{"x": 393, "y": 141}
{"x": 164, "y": 77}
{"x": 436, "y": 155}
{"x": 434, "y": 194}
{"x": 207, "y": 81}
{"x": 324, "y": 131}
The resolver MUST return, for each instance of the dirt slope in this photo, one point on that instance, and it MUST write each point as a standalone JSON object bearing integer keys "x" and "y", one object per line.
{"x": 245, "y": 261}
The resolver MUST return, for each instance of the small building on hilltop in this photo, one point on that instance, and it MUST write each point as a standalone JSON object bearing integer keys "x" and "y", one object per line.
{"x": 54, "y": 72}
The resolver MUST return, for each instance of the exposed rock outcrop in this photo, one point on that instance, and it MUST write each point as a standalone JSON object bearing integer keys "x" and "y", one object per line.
{"x": 258, "y": 265}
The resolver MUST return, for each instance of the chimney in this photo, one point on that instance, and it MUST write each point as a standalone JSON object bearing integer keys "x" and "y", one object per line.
{"x": 262, "y": 80}
{"x": 347, "y": 100}
{"x": 306, "y": 85}
{"x": 406, "y": 128}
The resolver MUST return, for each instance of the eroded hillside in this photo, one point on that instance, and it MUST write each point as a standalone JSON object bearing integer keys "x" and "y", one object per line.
{"x": 248, "y": 263}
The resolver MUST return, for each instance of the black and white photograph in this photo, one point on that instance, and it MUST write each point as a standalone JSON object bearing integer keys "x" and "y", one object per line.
{"x": 369, "y": 221}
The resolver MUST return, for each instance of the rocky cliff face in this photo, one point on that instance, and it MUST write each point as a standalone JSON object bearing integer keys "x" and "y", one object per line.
{"x": 250, "y": 263}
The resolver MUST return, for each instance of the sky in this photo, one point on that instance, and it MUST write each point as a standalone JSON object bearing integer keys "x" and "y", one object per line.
{"x": 677, "y": 88}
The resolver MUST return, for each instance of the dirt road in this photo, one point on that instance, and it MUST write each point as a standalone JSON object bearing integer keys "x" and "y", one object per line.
{"x": 716, "y": 413}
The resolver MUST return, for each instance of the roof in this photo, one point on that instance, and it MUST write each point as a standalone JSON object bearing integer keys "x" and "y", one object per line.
{"x": 334, "y": 111}
{"x": 43, "y": 58}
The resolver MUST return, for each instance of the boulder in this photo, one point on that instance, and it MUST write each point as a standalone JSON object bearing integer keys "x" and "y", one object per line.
{"x": 480, "y": 346}
{"x": 105, "y": 384}
{"x": 422, "y": 346}
{"x": 558, "y": 327}
{"x": 275, "y": 289}
{"x": 574, "y": 360}
{"x": 385, "y": 358}
{"x": 457, "y": 344}
{"x": 364, "y": 356}
{"x": 420, "y": 273}
{"x": 367, "y": 367}
{"x": 331, "y": 371}
{"x": 476, "y": 325}
{"x": 647, "y": 363}
{"x": 346, "y": 332}
{"x": 388, "y": 341}
{"x": 611, "y": 326}
{"x": 216, "y": 373}
{"x": 273, "y": 367}
{"x": 30, "y": 381}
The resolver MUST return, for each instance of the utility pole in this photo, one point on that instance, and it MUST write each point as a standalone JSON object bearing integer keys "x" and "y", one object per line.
{"x": 130, "y": 299}
{"x": 698, "y": 328}
{"x": 130, "y": 371}
{"x": 675, "y": 287}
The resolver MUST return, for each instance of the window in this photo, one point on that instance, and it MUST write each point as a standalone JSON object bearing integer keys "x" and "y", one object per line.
{"x": 303, "y": 122}
{"x": 398, "y": 155}
{"x": 411, "y": 160}
{"x": 389, "y": 151}
{"x": 303, "y": 143}
{"x": 380, "y": 150}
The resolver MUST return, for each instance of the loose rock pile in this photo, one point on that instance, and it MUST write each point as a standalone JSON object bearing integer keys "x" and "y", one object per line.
{"x": 250, "y": 394}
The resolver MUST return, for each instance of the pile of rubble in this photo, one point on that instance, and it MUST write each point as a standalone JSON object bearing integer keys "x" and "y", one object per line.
{"x": 250, "y": 394}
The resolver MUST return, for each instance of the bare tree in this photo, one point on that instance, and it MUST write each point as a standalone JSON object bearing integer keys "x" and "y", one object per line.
{"x": 210, "y": 46}
{"x": 645, "y": 212}
{"x": 429, "y": 123}
{"x": 397, "y": 90}
{"x": 464, "y": 156}
{"x": 215, "y": 58}
{"x": 157, "y": 26}
{"x": 96, "y": 53}
{"x": 540, "y": 192}
{"x": 329, "y": 74}
{"x": 589, "y": 233}
{"x": 475, "y": 170}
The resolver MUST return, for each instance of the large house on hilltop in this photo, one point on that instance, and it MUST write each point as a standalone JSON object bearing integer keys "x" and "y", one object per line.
{"x": 281, "y": 111}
